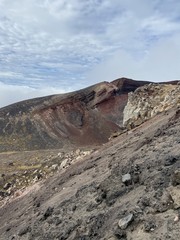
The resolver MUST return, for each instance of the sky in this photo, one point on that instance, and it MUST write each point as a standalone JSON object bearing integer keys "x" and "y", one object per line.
{"x": 57, "y": 46}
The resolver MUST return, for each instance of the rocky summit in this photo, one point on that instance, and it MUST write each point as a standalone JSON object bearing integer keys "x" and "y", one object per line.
{"x": 102, "y": 163}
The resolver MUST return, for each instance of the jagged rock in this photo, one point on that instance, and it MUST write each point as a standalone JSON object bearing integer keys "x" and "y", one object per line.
{"x": 149, "y": 100}
{"x": 149, "y": 226}
{"x": 127, "y": 179}
{"x": 7, "y": 186}
{"x": 125, "y": 221}
{"x": 64, "y": 163}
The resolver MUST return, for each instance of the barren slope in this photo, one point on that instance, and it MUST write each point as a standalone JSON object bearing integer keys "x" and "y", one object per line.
{"x": 81, "y": 118}
{"x": 87, "y": 200}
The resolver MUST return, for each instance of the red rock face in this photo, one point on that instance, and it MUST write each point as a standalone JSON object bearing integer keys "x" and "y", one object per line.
{"x": 76, "y": 122}
{"x": 113, "y": 108}
{"x": 85, "y": 117}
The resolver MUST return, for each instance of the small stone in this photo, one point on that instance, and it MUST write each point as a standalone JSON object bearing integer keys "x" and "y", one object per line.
{"x": 124, "y": 222}
{"x": 78, "y": 151}
{"x": 176, "y": 178}
{"x": 17, "y": 193}
{"x": 39, "y": 175}
{"x": 74, "y": 208}
{"x": 176, "y": 219}
{"x": 24, "y": 230}
{"x": 11, "y": 164}
{"x": 149, "y": 226}
{"x": 136, "y": 178}
{"x": 104, "y": 195}
{"x": 60, "y": 154}
{"x": 48, "y": 212}
{"x": 38, "y": 204}
{"x": 126, "y": 179}
{"x": 120, "y": 234}
{"x": 8, "y": 229}
{"x": 58, "y": 221}
{"x": 7, "y": 186}
{"x": 113, "y": 238}
{"x": 98, "y": 199}
{"x": 64, "y": 163}
{"x": 170, "y": 160}
{"x": 54, "y": 167}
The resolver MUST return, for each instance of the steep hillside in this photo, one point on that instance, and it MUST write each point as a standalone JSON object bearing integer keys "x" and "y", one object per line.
{"x": 127, "y": 189}
{"x": 81, "y": 118}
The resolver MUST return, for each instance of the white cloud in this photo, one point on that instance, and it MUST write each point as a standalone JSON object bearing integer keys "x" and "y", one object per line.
{"x": 58, "y": 43}
{"x": 14, "y": 93}
{"x": 159, "y": 63}
{"x": 158, "y": 26}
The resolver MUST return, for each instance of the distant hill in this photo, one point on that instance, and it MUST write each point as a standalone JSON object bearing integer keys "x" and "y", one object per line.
{"x": 85, "y": 117}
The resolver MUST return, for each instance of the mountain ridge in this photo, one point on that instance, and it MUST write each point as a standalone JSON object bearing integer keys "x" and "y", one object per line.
{"x": 56, "y": 120}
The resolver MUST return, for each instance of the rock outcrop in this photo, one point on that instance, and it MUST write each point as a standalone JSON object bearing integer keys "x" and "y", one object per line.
{"x": 149, "y": 100}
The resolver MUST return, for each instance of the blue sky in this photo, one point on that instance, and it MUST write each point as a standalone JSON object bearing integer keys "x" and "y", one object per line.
{"x": 55, "y": 46}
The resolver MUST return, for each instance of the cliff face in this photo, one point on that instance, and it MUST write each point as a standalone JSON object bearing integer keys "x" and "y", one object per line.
{"x": 149, "y": 100}
{"x": 85, "y": 117}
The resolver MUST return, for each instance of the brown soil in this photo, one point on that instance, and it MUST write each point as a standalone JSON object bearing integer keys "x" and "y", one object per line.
{"x": 86, "y": 201}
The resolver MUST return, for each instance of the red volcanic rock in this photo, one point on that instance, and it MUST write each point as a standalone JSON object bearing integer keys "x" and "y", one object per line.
{"x": 85, "y": 117}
